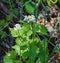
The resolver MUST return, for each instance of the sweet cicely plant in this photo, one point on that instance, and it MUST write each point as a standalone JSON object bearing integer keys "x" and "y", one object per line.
{"x": 29, "y": 48}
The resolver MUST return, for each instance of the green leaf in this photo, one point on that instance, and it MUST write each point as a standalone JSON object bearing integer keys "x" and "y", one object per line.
{"x": 25, "y": 53}
{"x": 8, "y": 60}
{"x": 15, "y": 33}
{"x": 41, "y": 29}
{"x": 30, "y": 7}
{"x": 26, "y": 30}
{"x": 38, "y": 1}
{"x": 36, "y": 40}
{"x": 33, "y": 51}
{"x": 17, "y": 61}
{"x": 30, "y": 61}
{"x": 18, "y": 41}
{"x": 38, "y": 61}
{"x": 17, "y": 49}
{"x": 10, "y": 57}
{"x": 3, "y": 23}
{"x": 11, "y": 54}
{"x": 29, "y": 33}
{"x": 54, "y": 1}
{"x": 2, "y": 34}
{"x": 22, "y": 41}
{"x": 48, "y": 2}
{"x": 43, "y": 47}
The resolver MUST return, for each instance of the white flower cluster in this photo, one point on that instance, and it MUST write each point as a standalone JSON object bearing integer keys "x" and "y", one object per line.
{"x": 29, "y": 18}
{"x": 17, "y": 27}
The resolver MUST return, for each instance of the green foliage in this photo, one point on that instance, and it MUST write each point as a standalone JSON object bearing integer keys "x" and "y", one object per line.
{"x": 54, "y": 1}
{"x": 28, "y": 45}
{"x": 43, "y": 47}
{"x": 15, "y": 11}
{"x": 3, "y": 24}
{"x": 14, "y": 32}
{"x": 2, "y": 34}
{"x": 11, "y": 57}
{"x": 38, "y": 1}
{"x": 40, "y": 29}
{"x": 17, "y": 49}
{"x": 30, "y": 7}
{"x": 51, "y": 2}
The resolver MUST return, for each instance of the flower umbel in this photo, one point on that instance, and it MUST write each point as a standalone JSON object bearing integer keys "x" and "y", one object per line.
{"x": 17, "y": 26}
{"x": 29, "y": 18}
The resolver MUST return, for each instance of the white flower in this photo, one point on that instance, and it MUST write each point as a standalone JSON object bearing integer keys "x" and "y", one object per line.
{"x": 25, "y": 18}
{"x": 17, "y": 26}
{"x": 30, "y": 18}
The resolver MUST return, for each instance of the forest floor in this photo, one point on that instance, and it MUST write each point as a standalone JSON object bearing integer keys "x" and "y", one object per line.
{"x": 52, "y": 23}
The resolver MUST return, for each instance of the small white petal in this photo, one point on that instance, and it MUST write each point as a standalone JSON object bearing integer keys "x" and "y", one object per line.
{"x": 30, "y": 18}
{"x": 17, "y": 26}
